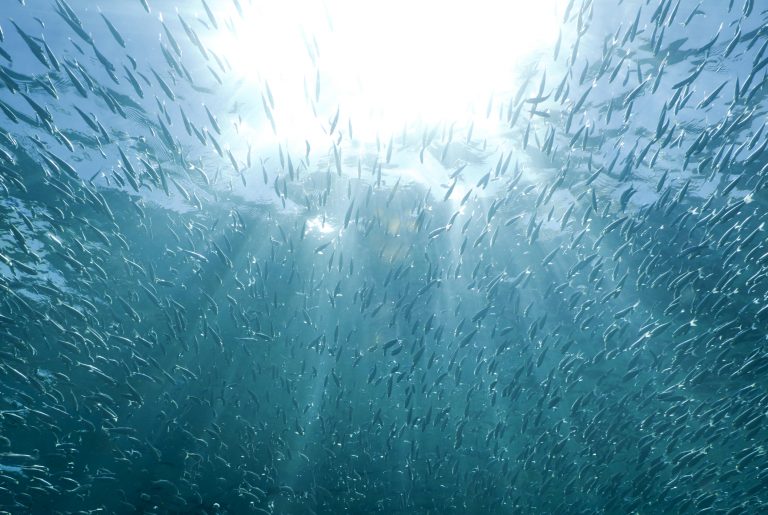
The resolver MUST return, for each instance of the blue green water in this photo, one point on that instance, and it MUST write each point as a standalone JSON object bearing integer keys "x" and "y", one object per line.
{"x": 218, "y": 297}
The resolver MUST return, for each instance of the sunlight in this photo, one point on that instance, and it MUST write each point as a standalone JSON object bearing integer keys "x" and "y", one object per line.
{"x": 320, "y": 226}
{"x": 384, "y": 65}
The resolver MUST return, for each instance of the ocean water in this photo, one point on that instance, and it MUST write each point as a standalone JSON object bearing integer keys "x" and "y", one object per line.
{"x": 348, "y": 257}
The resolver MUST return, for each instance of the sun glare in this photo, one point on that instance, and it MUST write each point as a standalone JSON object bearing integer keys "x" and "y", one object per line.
{"x": 385, "y": 64}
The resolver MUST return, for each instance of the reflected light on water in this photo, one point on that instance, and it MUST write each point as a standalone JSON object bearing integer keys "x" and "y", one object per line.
{"x": 383, "y": 64}
{"x": 320, "y": 226}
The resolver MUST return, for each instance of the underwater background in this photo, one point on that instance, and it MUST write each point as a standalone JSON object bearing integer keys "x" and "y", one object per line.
{"x": 250, "y": 266}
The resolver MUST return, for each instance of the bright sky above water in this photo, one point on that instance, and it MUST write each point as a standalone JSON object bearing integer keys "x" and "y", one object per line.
{"x": 386, "y": 64}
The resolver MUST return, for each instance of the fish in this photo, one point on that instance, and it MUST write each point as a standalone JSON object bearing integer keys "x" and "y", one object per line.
{"x": 33, "y": 45}
{"x": 556, "y": 309}
{"x": 113, "y": 30}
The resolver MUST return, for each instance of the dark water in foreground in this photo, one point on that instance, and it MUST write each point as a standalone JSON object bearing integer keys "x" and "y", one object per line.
{"x": 556, "y": 307}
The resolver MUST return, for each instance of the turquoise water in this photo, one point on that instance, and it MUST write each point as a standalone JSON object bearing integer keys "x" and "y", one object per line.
{"x": 256, "y": 289}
